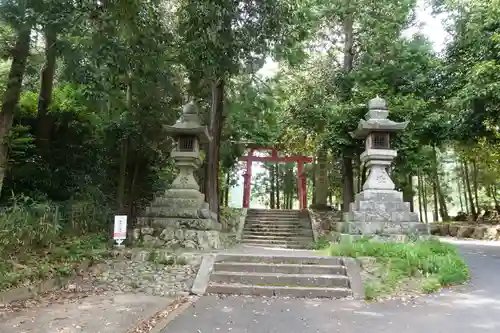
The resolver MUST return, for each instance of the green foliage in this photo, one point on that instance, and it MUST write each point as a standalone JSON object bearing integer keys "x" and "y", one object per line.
{"x": 435, "y": 261}
{"x": 321, "y": 244}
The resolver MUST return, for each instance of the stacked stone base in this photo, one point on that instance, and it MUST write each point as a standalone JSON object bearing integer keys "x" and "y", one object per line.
{"x": 179, "y": 219}
{"x": 178, "y": 233}
{"x": 379, "y": 212}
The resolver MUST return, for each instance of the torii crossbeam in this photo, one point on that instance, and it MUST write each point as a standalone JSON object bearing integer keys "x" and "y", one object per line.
{"x": 299, "y": 159}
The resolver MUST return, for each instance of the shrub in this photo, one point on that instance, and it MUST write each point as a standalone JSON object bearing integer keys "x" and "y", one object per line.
{"x": 438, "y": 263}
{"x": 39, "y": 240}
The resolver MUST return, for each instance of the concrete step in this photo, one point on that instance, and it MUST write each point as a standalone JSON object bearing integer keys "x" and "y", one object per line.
{"x": 293, "y": 238}
{"x": 279, "y": 279}
{"x": 269, "y": 291}
{"x": 282, "y": 259}
{"x": 258, "y": 267}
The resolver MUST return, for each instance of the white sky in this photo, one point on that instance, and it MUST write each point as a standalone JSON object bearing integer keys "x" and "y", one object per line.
{"x": 430, "y": 27}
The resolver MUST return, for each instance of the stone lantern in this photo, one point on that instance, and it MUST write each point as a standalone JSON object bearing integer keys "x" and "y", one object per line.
{"x": 181, "y": 217}
{"x": 379, "y": 208}
{"x": 188, "y": 134}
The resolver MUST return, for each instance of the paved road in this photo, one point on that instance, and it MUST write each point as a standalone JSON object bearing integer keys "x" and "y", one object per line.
{"x": 467, "y": 309}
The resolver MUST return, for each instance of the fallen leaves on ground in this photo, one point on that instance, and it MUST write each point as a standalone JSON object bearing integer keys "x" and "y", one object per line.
{"x": 79, "y": 288}
{"x": 148, "y": 324}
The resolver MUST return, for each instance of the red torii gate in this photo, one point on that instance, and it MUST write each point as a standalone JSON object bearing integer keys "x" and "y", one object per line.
{"x": 301, "y": 179}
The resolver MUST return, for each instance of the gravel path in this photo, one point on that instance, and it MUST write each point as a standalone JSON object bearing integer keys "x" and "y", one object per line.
{"x": 145, "y": 277}
{"x": 466, "y": 309}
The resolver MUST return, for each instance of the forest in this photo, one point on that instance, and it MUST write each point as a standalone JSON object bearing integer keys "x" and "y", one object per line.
{"x": 87, "y": 87}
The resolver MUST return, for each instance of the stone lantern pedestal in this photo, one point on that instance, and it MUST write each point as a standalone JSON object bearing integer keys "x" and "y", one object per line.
{"x": 379, "y": 209}
{"x": 181, "y": 218}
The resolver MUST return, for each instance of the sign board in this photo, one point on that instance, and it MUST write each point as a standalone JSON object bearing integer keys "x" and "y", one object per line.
{"x": 120, "y": 228}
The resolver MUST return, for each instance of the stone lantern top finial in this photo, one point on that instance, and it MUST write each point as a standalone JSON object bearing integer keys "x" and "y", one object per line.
{"x": 190, "y": 108}
{"x": 377, "y": 103}
{"x": 377, "y": 109}
{"x": 190, "y": 114}
{"x": 189, "y": 124}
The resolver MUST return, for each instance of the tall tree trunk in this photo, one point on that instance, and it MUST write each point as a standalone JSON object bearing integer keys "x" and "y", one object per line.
{"x": 44, "y": 120}
{"x": 475, "y": 172}
{"x": 435, "y": 184}
{"x": 469, "y": 191}
{"x": 411, "y": 195}
{"x": 420, "y": 195}
{"x": 278, "y": 186}
{"x": 347, "y": 181}
{"x": 347, "y": 172}
{"x": 443, "y": 210}
{"x": 12, "y": 93}
{"x": 314, "y": 175}
{"x": 459, "y": 189}
{"x": 122, "y": 175}
{"x": 272, "y": 192}
{"x": 226, "y": 191}
{"x": 464, "y": 186}
{"x": 124, "y": 150}
{"x": 216, "y": 122}
{"x": 424, "y": 199}
{"x": 435, "y": 212}
{"x": 321, "y": 181}
{"x": 132, "y": 190}
{"x": 495, "y": 199}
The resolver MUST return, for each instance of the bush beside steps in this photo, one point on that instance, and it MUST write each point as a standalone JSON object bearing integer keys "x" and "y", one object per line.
{"x": 393, "y": 269}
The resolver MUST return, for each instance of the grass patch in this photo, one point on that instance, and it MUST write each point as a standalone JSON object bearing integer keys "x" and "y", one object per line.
{"x": 427, "y": 265}
{"x": 321, "y": 244}
{"x": 59, "y": 259}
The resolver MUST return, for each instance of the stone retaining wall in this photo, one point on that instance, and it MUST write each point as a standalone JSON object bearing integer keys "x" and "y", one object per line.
{"x": 178, "y": 235}
{"x": 324, "y": 222}
{"x": 483, "y": 232}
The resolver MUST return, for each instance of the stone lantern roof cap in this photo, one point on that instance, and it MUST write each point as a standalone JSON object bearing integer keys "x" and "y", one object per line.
{"x": 377, "y": 103}
{"x": 376, "y": 120}
{"x": 189, "y": 124}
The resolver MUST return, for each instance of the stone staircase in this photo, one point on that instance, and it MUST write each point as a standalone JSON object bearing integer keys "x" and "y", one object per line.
{"x": 280, "y": 275}
{"x": 277, "y": 228}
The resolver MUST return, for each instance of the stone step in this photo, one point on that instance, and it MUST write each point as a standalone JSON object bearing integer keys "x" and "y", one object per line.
{"x": 276, "y": 220}
{"x": 294, "y": 231}
{"x": 277, "y": 246}
{"x": 278, "y": 232}
{"x": 293, "y": 238}
{"x": 267, "y": 241}
{"x": 277, "y": 211}
{"x": 283, "y": 291}
{"x": 279, "y": 279}
{"x": 278, "y": 223}
{"x": 282, "y": 259}
{"x": 277, "y": 216}
{"x": 279, "y": 268}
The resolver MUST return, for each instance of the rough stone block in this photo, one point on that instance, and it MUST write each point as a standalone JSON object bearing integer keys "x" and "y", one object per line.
{"x": 377, "y": 206}
{"x": 454, "y": 230}
{"x": 465, "y": 231}
{"x": 479, "y": 233}
{"x": 491, "y": 233}
{"x": 380, "y": 195}
{"x": 385, "y": 228}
